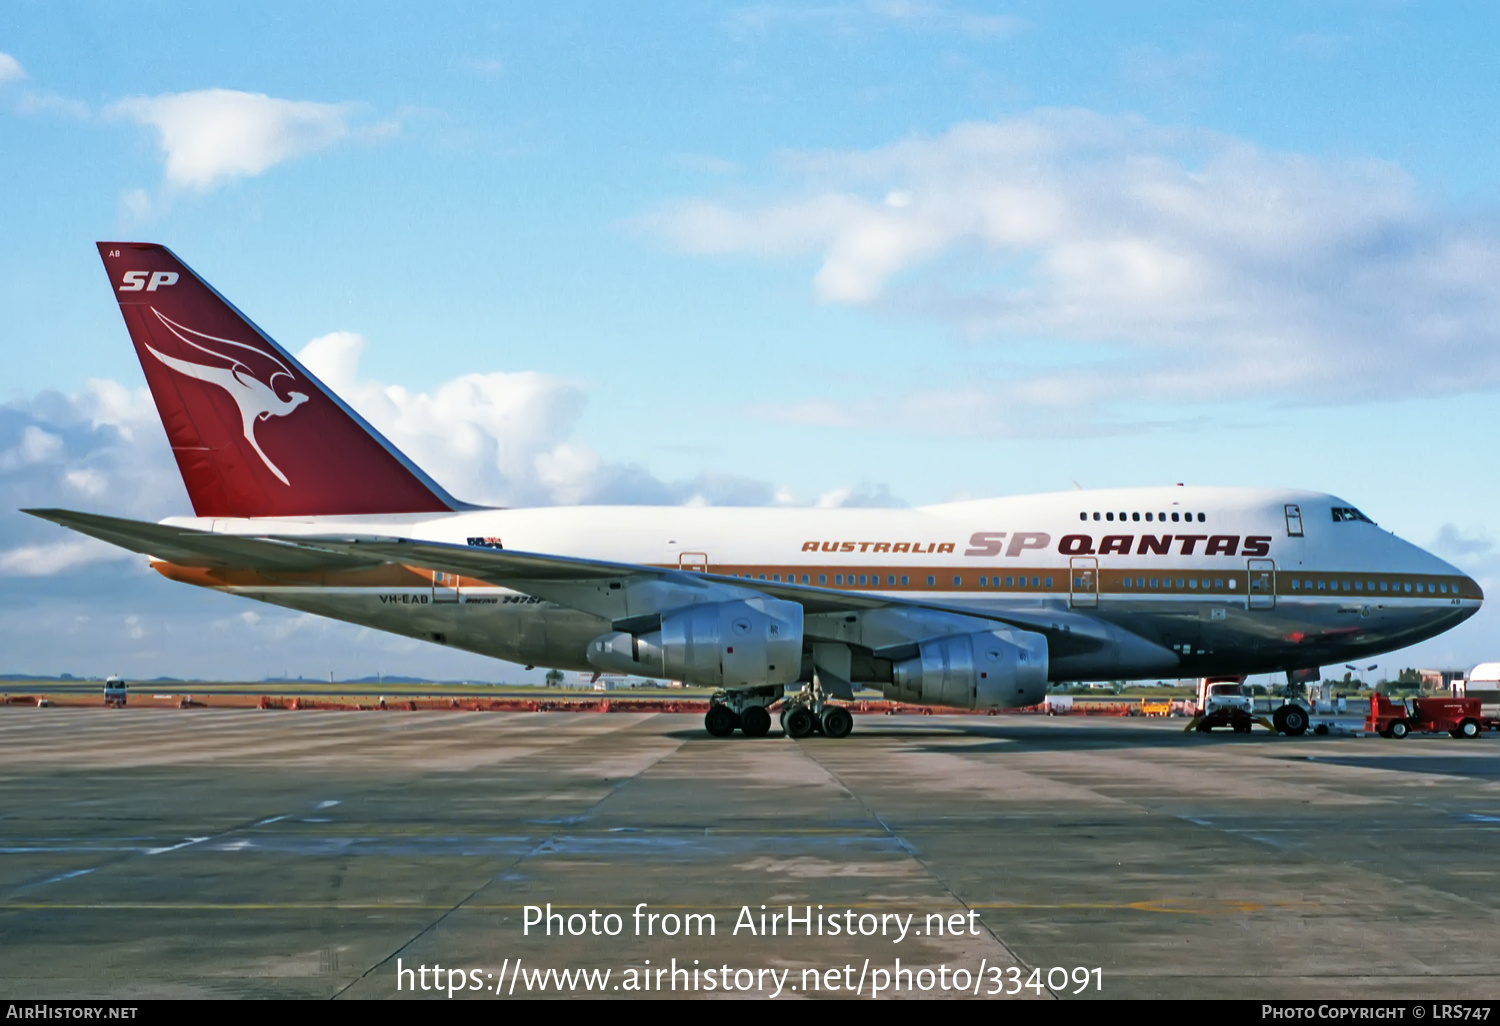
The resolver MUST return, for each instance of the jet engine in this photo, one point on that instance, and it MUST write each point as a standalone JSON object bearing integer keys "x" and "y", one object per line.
{"x": 723, "y": 644}
{"x": 985, "y": 670}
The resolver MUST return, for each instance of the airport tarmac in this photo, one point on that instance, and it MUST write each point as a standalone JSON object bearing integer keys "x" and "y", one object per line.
{"x": 226, "y": 853}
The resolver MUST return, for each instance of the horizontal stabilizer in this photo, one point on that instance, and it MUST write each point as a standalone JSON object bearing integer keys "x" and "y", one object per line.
{"x": 187, "y": 547}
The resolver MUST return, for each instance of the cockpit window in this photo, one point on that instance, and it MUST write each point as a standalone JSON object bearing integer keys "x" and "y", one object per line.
{"x": 1343, "y": 514}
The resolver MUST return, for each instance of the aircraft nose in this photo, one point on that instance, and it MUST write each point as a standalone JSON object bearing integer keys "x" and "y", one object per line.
{"x": 1470, "y": 589}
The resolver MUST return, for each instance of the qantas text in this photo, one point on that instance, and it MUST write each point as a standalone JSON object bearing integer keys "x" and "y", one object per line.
{"x": 989, "y": 544}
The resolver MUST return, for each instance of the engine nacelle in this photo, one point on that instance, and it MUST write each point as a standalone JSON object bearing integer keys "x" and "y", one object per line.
{"x": 723, "y": 644}
{"x": 987, "y": 670}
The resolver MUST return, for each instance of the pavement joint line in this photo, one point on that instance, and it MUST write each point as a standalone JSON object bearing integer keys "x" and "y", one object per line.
{"x": 615, "y": 787}
{"x": 926, "y": 868}
{"x": 126, "y": 853}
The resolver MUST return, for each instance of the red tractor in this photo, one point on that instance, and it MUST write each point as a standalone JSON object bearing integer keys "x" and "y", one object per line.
{"x": 1458, "y": 716}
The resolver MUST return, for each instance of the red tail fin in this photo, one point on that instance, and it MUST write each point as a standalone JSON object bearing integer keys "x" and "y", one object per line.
{"x": 255, "y": 435}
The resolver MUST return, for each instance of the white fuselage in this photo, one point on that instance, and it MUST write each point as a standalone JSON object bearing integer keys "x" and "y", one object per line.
{"x": 1227, "y": 580}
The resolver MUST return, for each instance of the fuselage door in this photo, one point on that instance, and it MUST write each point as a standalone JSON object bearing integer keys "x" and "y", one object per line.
{"x": 696, "y": 562}
{"x": 444, "y": 587}
{"x": 1262, "y": 593}
{"x": 1084, "y": 593}
{"x": 1293, "y": 521}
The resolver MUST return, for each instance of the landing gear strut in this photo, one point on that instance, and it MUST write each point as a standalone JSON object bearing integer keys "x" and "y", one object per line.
{"x": 803, "y": 714}
{"x": 809, "y": 712}
{"x": 743, "y": 709}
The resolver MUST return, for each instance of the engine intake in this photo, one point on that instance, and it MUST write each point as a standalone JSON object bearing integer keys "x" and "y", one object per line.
{"x": 723, "y": 644}
{"x": 986, "y": 670}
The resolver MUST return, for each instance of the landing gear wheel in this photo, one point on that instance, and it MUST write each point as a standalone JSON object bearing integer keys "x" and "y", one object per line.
{"x": 755, "y": 721}
{"x": 798, "y": 722}
{"x": 1398, "y": 729}
{"x": 1290, "y": 720}
{"x": 720, "y": 721}
{"x": 837, "y": 721}
{"x": 1467, "y": 729}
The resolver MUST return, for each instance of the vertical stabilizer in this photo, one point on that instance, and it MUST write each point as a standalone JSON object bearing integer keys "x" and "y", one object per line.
{"x": 254, "y": 434}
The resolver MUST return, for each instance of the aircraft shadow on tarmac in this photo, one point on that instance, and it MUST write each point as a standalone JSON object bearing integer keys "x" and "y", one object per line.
{"x": 958, "y": 737}
{"x": 1469, "y": 765}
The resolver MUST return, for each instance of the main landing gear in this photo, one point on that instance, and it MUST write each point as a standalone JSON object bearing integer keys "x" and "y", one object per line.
{"x": 802, "y": 715}
{"x": 743, "y": 709}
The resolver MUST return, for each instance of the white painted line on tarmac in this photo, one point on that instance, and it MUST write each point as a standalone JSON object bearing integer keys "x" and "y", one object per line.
{"x": 189, "y": 842}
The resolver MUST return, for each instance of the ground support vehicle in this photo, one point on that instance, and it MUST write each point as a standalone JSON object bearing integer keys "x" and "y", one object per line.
{"x": 1460, "y": 717}
{"x": 1223, "y": 702}
{"x": 115, "y": 692}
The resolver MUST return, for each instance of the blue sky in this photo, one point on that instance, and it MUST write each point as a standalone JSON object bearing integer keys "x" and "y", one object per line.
{"x": 850, "y": 252}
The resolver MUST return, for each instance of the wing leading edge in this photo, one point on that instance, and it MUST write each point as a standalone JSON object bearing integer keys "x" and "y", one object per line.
{"x": 624, "y": 593}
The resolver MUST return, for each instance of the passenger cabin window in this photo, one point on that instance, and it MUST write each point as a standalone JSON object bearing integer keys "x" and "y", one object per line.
{"x": 1135, "y": 517}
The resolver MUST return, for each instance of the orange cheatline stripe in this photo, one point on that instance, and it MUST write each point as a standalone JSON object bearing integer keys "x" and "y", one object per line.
{"x": 1111, "y": 580}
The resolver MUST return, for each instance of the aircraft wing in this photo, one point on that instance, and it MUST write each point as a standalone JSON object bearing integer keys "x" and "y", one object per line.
{"x": 541, "y": 574}
{"x": 187, "y": 547}
{"x": 581, "y": 583}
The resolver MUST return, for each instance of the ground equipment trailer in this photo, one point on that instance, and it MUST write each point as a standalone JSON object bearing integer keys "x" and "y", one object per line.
{"x": 1460, "y": 717}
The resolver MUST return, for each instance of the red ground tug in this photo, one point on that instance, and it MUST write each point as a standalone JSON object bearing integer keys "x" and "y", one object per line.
{"x": 1460, "y": 717}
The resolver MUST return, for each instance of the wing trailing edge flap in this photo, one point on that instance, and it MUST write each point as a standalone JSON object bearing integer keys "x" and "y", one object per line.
{"x": 185, "y": 546}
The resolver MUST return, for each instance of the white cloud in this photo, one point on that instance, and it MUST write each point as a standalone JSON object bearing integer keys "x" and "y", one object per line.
{"x": 101, "y": 448}
{"x": 10, "y": 69}
{"x": 496, "y": 438}
{"x": 1453, "y": 543}
{"x": 942, "y": 17}
{"x": 505, "y": 439}
{"x": 1154, "y": 263}
{"x": 56, "y": 557}
{"x": 849, "y": 18}
{"x": 865, "y": 494}
{"x": 211, "y": 136}
{"x": 33, "y": 102}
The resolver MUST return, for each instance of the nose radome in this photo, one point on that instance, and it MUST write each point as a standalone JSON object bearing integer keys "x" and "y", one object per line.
{"x": 1438, "y": 566}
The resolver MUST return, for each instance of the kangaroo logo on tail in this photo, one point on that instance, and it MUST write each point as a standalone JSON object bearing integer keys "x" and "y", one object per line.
{"x": 256, "y": 399}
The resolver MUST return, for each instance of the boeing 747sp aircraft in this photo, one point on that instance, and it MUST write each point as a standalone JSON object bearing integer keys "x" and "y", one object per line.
{"x": 299, "y": 502}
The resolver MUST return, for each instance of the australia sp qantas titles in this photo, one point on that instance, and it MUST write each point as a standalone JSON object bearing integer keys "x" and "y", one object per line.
{"x": 299, "y": 502}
